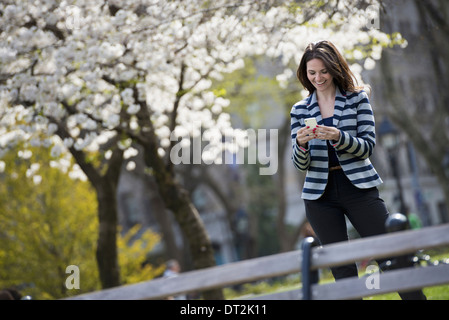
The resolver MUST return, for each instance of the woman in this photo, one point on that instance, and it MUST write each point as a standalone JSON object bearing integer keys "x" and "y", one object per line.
{"x": 340, "y": 179}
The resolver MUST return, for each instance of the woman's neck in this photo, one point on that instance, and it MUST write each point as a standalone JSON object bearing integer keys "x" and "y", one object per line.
{"x": 326, "y": 102}
{"x": 327, "y": 95}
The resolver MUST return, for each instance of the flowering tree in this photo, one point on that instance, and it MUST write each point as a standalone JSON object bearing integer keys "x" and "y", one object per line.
{"x": 93, "y": 77}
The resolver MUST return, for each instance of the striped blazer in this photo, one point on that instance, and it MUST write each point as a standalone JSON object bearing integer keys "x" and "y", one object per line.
{"x": 353, "y": 116}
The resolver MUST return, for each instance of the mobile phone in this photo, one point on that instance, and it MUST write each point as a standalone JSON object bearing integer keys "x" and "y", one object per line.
{"x": 311, "y": 122}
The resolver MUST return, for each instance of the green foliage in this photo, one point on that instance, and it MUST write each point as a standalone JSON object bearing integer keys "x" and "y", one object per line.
{"x": 133, "y": 248}
{"x": 49, "y": 225}
{"x": 45, "y": 227}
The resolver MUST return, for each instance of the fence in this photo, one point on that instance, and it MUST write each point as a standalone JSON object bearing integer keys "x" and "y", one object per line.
{"x": 384, "y": 246}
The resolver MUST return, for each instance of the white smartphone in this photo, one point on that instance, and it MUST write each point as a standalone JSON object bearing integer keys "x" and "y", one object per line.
{"x": 311, "y": 122}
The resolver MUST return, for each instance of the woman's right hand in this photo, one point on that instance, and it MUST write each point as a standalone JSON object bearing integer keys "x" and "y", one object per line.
{"x": 304, "y": 135}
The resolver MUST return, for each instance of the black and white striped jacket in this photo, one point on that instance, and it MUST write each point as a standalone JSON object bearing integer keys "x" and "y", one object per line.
{"x": 353, "y": 116}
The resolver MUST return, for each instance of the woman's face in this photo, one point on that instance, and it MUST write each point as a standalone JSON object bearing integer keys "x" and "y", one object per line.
{"x": 318, "y": 75}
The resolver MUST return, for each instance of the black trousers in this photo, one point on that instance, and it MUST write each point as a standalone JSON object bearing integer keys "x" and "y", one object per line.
{"x": 365, "y": 210}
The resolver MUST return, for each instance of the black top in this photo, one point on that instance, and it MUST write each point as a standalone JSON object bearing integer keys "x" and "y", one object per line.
{"x": 333, "y": 160}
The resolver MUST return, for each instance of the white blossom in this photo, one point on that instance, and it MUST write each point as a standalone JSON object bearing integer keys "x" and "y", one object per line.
{"x": 25, "y": 154}
{"x": 369, "y": 64}
{"x": 68, "y": 142}
{"x": 56, "y": 151}
{"x": 52, "y": 127}
{"x": 32, "y": 170}
{"x": 130, "y": 166}
{"x": 85, "y": 75}
{"x": 127, "y": 96}
{"x": 77, "y": 173}
{"x": 37, "y": 179}
{"x": 133, "y": 109}
{"x": 130, "y": 152}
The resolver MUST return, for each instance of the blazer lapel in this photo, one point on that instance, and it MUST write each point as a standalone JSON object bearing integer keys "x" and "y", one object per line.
{"x": 340, "y": 103}
{"x": 314, "y": 108}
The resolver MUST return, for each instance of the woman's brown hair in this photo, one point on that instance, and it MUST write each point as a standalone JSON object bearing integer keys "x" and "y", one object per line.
{"x": 335, "y": 64}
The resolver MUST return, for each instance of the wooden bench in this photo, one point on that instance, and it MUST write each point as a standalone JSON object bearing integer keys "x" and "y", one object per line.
{"x": 384, "y": 246}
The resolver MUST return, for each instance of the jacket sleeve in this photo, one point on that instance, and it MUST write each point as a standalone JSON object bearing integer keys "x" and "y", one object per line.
{"x": 300, "y": 155}
{"x": 363, "y": 144}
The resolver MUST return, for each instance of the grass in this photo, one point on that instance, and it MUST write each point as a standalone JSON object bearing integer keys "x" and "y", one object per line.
{"x": 293, "y": 282}
{"x": 432, "y": 293}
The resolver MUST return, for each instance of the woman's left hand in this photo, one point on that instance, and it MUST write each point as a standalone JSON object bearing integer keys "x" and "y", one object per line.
{"x": 327, "y": 133}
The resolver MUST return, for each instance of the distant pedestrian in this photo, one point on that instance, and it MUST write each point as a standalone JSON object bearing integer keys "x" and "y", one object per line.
{"x": 172, "y": 270}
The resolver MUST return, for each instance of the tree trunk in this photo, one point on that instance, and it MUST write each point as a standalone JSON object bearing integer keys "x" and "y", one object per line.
{"x": 188, "y": 218}
{"x": 165, "y": 221}
{"x": 106, "y": 252}
{"x": 106, "y": 188}
{"x": 105, "y": 181}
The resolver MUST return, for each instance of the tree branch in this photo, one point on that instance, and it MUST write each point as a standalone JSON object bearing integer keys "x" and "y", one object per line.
{"x": 79, "y": 156}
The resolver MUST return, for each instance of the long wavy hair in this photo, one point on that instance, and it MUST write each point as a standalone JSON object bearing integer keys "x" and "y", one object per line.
{"x": 335, "y": 64}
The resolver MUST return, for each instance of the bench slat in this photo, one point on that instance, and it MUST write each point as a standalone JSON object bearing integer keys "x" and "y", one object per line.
{"x": 352, "y": 288}
{"x": 391, "y": 281}
{"x": 382, "y": 246}
{"x": 204, "y": 279}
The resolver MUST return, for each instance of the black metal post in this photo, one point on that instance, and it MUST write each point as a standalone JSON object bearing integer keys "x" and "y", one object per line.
{"x": 394, "y": 223}
{"x": 309, "y": 277}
